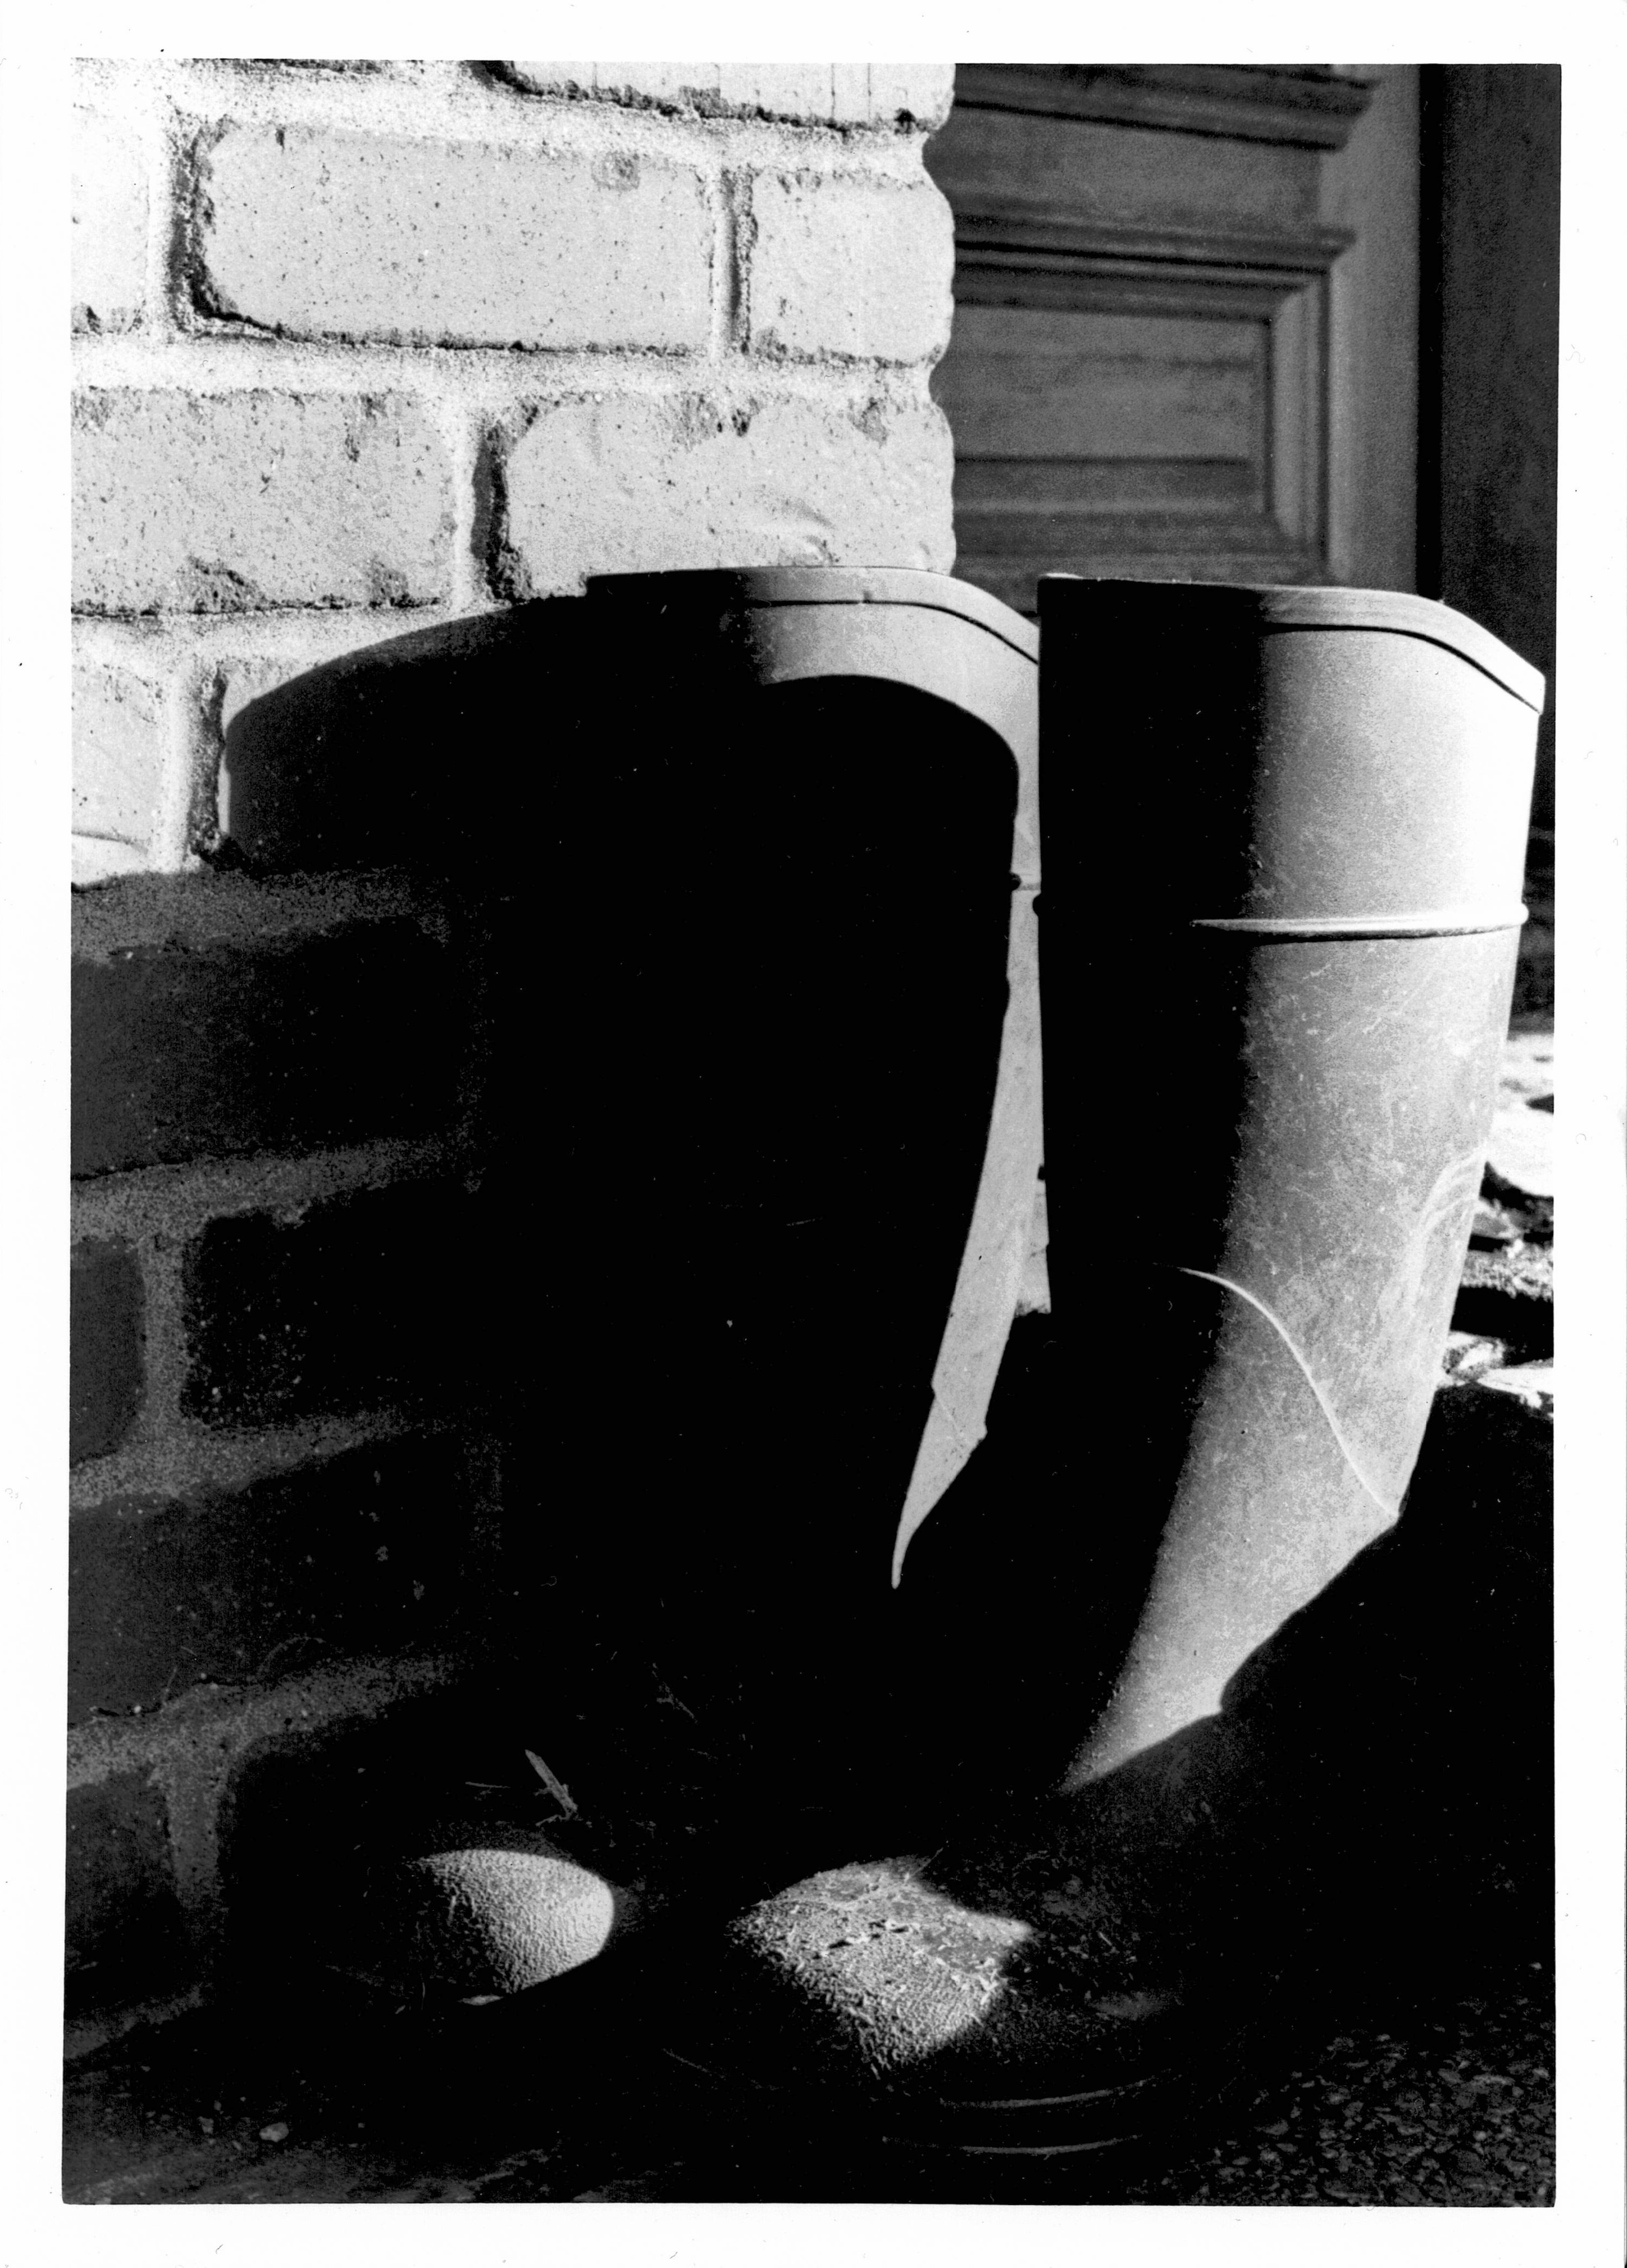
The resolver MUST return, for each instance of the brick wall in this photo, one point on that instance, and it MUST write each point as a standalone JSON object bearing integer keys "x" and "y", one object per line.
{"x": 365, "y": 346}
{"x": 371, "y": 360}
{"x": 284, "y": 1498}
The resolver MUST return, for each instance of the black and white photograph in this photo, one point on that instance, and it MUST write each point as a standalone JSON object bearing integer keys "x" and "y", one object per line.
{"x": 816, "y": 1067}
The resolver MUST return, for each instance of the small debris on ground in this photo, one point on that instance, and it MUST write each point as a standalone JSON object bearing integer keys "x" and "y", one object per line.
{"x": 555, "y": 1788}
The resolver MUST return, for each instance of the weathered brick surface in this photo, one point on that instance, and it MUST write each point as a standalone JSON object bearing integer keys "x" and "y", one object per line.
{"x": 214, "y": 503}
{"x": 109, "y": 222}
{"x": 119, "y": 741}
{"x": 813, "y": 94}
{"x": 98, "y": 858}
{"x": 487, "y": 247}
{"x": 362, "y": 1553}
{"x": 333, "y": 1039}
{"x": 369, "y": 1298}
{"x": 919, "y": 94}
{"x": 125, "y": 1935}
{"x": 106, "y": 1320}
{"x": 628, "y": 484}
{"x": 849, "y": 267}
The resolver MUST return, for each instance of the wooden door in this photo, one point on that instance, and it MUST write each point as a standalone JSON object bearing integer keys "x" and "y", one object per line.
{"x": 1157, "y": 367}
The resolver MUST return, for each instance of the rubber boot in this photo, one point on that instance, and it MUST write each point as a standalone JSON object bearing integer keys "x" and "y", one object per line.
{"x": 812, "y": 1099}
{"x": 770, "y": 1022}
{"x": 1318, "y": 801}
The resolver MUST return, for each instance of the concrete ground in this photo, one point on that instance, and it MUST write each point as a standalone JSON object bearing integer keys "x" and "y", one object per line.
{"x": 1441, "y": 2099}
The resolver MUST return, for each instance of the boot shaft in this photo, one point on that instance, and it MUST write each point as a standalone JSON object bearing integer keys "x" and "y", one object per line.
{"x": 797, "y": 990}
{"x": 1313, "y": 804}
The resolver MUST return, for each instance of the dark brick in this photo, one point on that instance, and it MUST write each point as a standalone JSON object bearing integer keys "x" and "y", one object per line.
{"x": 125, "y": 1932}
{"x": 180, "y": 1052}
{"x": 368, "y": 1299}
{"x": 368, "y": 1551}
{"x": 106, "y": 1345}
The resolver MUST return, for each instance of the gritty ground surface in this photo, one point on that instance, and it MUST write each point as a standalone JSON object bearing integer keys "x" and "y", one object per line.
{"x": 1456, "y": 2108}
{"x": 1445, "y": 2100}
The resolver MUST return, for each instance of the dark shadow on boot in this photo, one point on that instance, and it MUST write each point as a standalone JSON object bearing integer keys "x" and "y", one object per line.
{"x": 762, "y": 1147}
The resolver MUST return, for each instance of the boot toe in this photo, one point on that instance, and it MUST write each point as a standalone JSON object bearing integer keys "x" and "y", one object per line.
{"x": 480, "y": 1913}
{"x": 996, "y": 2021}
{"x": 867, "y": 1972}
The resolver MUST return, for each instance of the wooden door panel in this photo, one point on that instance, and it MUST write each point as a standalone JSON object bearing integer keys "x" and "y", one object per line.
{"x": 1066, "y": 383}
{"x": 1139, "y": 380}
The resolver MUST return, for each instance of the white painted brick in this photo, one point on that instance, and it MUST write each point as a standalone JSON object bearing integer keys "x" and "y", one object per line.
{"x": 221, "y": 502}
{"x": 850, "y": 94}
{"x": 679, "y": 84}
{"x": 94, "y": 859}
{"x": 917, "y": 95}
{"x": 630, "y": 484}
{"x": 119, "y": 739}
{"x": 109, "y": 222}
{"x": 806, "y": 91}
{"x": 561, "y": 78}
{"x": 243, "y": 681}
{"x": 849, "y": 266}
{"x": 325, "y": 234}
{"x": 922, "y": 93}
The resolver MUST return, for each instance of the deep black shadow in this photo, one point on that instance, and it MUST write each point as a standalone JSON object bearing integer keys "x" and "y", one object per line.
{"x": 743, "y": 977}
{"x": 741, "y": 1127}
{"x": 444, "y": 749}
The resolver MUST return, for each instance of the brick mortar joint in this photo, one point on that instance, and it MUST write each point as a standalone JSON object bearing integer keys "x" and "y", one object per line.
{"x": 193, "y": 140}
{"x": 217, "y": 364}
{"x": 199, "y": 1459}
{"x": 165, "y": 1354}
{"x": 743, "y": 243}
{"x": 888, "y": 183}
{"x": 767, "y": 356}
{"x": 177, "y": 1201}
{"x": 507, "y": 577}
{"x": 752, "y": 383}
{"x": 197, "y": 694}
{"x": 703, "y": 105}
{"x": 153, "y": 647}
{"x": 103, "y": 1745}
{"x": 395, "y": 610}
{"x": 270, "y": 913}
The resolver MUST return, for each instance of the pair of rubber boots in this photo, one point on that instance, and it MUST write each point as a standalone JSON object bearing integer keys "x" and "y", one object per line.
{"x": 802, "y": 1165}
